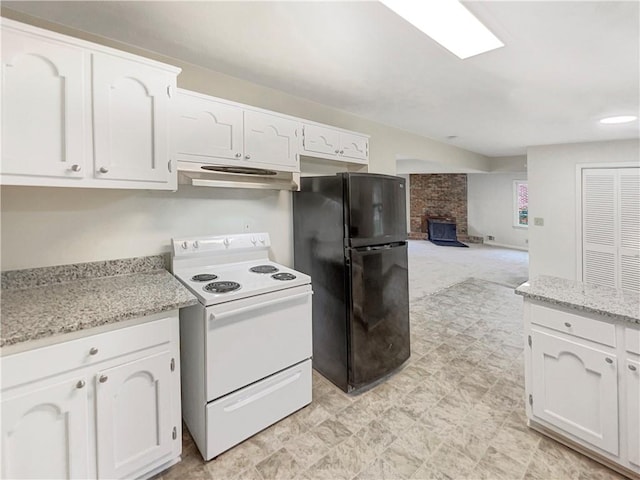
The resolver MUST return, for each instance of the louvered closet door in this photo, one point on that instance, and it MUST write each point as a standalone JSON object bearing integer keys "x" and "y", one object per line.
{"x": 599, "y": 226}
{"x": 629, "y": 204}
{"x": 611, "y": 227}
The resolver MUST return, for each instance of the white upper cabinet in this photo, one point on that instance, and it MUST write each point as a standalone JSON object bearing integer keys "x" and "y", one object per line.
{"x": 354, "y": 146}
{"x": 334, "y": 144}
{"x": 79, "y": 114}
{"x": 270, "y": 141}
{"x": 206, "y": 131}
{"x": 217, "y": 132}
{"x": 43, "y": 90}
{"x": 317, "y": 139}
{"x": 131, "y": 120}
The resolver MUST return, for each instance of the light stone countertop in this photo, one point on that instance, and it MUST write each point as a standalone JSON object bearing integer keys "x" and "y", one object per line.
{"x": 43, "y": 302}
{"x": 609, "y": 302}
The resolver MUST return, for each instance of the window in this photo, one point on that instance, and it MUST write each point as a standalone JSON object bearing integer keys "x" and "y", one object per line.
{"x": 520, "y": 203}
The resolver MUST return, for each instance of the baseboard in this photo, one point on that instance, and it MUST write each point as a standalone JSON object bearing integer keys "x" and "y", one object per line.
{"x": 504, "y": 245}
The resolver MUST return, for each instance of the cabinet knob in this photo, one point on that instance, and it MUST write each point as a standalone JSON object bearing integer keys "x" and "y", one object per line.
{"x": 608, "y": 360}
{"x": 567, "y": 324}
{"x": 247, "y": 156}
{"x": 170, "y": 91}
{"x": 103, "y": 170}
{"x": 238, "y": 155}
{"x": 80, "y": 384}
{"x": 76, "y": 168}
{"x": 93, "y": 351}
{"x": 632, "y": 368}
{"x": 103, "y": 378}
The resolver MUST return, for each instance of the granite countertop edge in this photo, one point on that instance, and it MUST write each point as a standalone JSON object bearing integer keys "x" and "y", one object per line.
{"x": 607, "y": 302}
{"x": 44, "y": 309}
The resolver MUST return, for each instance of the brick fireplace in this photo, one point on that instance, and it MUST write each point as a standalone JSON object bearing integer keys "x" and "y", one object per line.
{"x": 443, "y": 195}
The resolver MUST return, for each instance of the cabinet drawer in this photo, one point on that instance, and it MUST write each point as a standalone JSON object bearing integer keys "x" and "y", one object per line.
{"x": 595, "y": 330}
{"x": 237, "y": 416}
{"x": 56, "y": 359}
{"x": 632, "y": 340}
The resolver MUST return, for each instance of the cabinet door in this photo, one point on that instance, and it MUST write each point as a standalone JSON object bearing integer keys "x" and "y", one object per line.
{"x": 134, "y": 415}
{"x": 323, "y": 140}
{"x": 44, "y": 432}
{"x": 207, "y": 131}
{"x": 575, "y": 389}
{"x": 42, "y": 107}
{"x": 270, "y": 141}
{"x": 633, "y": 410}
{"x": 354, "y": 146}
{"x": 131, "y": 116}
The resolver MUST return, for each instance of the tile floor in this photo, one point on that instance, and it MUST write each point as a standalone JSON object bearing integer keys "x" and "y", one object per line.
{"x": 455, "y": 411}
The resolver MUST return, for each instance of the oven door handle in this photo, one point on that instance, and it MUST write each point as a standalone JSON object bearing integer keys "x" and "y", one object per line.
{"x": 263, "y": 393}
{"x": 223, "y": 315}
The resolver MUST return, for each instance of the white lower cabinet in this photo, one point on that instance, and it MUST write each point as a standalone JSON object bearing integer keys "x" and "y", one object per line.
{"x": 632, "y": 378}
{"x": 575, "y": 387}
{"x": 583, "y": 383}
{"x": 115, "y": 415}
{"x": 44, "y": 431}
{"x": 134, "y": 418}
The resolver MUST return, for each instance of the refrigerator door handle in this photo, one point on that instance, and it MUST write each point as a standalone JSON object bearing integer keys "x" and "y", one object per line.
{"x": 388, "y": 246}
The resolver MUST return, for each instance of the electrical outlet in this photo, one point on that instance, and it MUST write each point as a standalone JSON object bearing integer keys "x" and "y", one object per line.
{"x": 526, "y": 241}
{"x": 538, "y": 221}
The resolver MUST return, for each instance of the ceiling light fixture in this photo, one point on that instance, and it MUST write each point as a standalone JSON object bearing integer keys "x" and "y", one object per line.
{"x": 449, "y": 23}
{"x": 618, "y": 119}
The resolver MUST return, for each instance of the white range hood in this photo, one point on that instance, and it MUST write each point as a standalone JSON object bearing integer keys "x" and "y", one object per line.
{"x": 206, "y": 175}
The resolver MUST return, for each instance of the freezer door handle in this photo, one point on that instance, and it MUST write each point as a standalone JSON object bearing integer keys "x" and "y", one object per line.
{"x": 223, "y": 315}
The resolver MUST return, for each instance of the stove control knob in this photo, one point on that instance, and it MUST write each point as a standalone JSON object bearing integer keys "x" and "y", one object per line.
{"x": 261, "y": 240}
{"x": 185, "y": 245}
{"x": 195, "y": 244}
{"x": 253, "y": 240}
{"x": 227, "y": 242}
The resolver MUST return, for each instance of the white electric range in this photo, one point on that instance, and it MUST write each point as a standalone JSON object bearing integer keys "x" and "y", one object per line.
{"x": 246, "y": 347}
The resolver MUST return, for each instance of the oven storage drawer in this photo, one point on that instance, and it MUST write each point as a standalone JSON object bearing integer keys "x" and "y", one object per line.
{"x": 236, "y": 417}
{"x": 251, "y": 338}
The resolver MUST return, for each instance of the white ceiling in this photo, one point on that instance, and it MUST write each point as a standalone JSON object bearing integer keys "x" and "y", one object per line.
{"x": 564, "y": 66}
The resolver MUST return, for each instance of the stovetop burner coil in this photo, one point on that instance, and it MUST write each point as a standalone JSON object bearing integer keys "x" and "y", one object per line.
{"x": 283, "y": 276}
{"x": 222, "y": 287}
{"x": 263, "y": 269}
{"x": 204, "y": 277}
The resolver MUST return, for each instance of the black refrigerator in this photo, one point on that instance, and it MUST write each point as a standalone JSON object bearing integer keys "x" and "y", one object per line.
{"x": 350, "y": 236}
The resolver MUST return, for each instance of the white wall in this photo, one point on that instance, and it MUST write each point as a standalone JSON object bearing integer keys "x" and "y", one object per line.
{"x": 43, "y": 226}
{"x": 552, "y": 196}
{"x": 55, "y": 226}
{"x": 490, "y": 209}
{"x": 514, "y": 164}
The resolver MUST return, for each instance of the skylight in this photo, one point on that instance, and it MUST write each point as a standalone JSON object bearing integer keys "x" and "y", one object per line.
{"x": 449, "y": 23}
